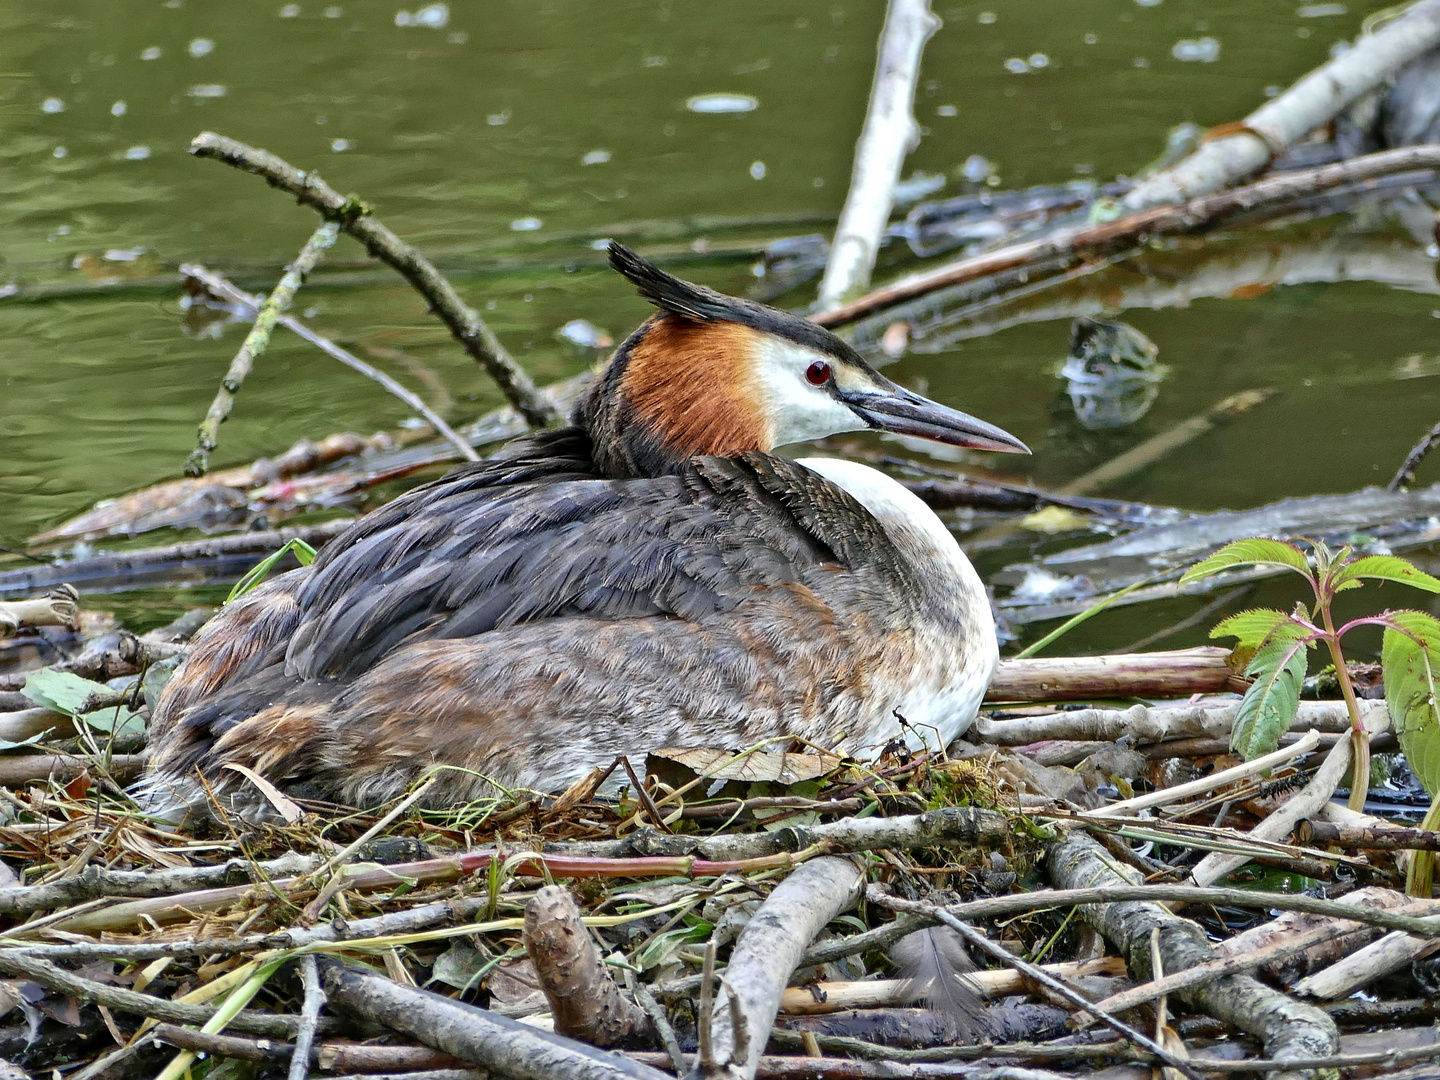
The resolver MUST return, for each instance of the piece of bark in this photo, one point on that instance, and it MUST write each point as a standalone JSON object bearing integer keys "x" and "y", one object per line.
{"x": 61, "y": 607}
{"x": 473, "y": 1034}
{"x": 584, "y": 999}
{"x": 1288, "y": 1029}
{"x": 768, "y": 950}
{"x": 1178, "y": 673}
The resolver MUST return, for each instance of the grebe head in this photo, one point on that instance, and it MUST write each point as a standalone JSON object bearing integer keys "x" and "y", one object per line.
{"x": 714, "y": 374}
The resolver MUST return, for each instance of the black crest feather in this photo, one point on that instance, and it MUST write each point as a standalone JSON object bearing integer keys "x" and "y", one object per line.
{"x": 668, "y": 292}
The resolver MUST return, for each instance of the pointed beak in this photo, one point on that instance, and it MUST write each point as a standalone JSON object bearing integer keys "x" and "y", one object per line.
{"x": 899, "y": 411}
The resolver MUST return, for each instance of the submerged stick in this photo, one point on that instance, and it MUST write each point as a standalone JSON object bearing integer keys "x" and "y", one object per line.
{"x": 889, "y": 134}
{"x": 255, "y": 343}
{"x": 1406, "y": 473}
{"x": 354, "y": 217}
{"x": 1128, "y": 231}
{"x": 226, "y": 291}
{"x": 1286, "y": 119}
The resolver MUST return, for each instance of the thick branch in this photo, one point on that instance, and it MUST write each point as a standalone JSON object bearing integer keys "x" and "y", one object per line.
{"x": 1286, "y": 119}
{"x": 255, "y": 343}
{"x": 584, "y": 999}
{"x": 768, "y": 950}
{"x": 890, "y": 132}
{"x": 354, "y": 217}
{"x": 472, "y": 1034}
{"x": 1288, "y": 1028}
{"x": 1160, "y": 674}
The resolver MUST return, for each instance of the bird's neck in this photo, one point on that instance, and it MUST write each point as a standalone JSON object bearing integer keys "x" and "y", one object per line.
{"x": 674, "y": 390}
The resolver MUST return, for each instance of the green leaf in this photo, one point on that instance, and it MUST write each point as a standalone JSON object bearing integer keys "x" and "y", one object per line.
{"x": 7, "y": 744}
{"x": 1410, "y": 660}
{"x": 261, "y": 570}
{"x": 61, "y": 690}
{"x": 1254, "y": 552}
{"x": 1386, "y": 568}
{"x": 1273, "y": 699}
{"x": 117, "y": 720}
{"x": 1252, "y": 627}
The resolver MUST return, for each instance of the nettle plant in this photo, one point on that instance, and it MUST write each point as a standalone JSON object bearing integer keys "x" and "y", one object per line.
{"x": 1275, "y": 647}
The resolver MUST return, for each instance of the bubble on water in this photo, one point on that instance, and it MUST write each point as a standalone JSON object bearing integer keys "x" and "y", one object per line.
{"x": 976, "y": 169}
{"x": 1016, "y": 66}
{"x": 757, "y": 170}
{"x": 1205, "y": 50}
{"x": 60, "y": 152}
{"x": 137, "y": 153}
{"x": 722, "y": 103}
{"x": 526, "y": 224}
{"x": 1320, "y": 11}
{"x": 946, "y": 110}
{"x": 431, "y": 17}
{"x": 498, "y": 119}
{"x": 290, "y": 11}
{"x": 596, "y": 157}
{"x": 52, "y": 105}
{"x": 1272, "y": 91}
{"x": 987, "y": 18}
{"x": 200, "y": 47}
{"x": 118, "y": 109}
{"x": 154, "y": 52}
{"x": 207, "y": 90}
{"x": 1039, "y": 60}
{"x": 339, "y": 146}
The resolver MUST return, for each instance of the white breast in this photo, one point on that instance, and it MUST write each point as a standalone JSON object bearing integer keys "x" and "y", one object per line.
{"x": 951, "y": 680}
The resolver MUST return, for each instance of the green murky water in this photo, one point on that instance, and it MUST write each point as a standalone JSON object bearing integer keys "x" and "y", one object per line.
{"x": 505, "y": 137}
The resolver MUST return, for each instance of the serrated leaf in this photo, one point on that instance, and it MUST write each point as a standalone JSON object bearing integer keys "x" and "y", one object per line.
{"x": 60, "y": 690}
{"x": 1411, "y": 666}
{"x": 1273, "y": 698}
{"x": 1251, "y": 627}
{"x": 1387, "y": 568}
{"x": 1253, "y": 552}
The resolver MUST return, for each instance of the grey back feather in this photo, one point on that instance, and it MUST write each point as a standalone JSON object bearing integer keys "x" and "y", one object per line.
{"x": 934, "y": 965}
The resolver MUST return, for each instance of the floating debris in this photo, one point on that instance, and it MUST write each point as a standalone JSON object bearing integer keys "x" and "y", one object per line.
{"x": 722, "y": 103}
{"x": 1205, "y": 50}
{"x": 586, "y": 334}
{"x": 1111, "y": 374}
{"x": 430, "y": 17}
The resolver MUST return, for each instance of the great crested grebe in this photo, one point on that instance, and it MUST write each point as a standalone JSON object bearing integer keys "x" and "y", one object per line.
{"x": 649, "y": 576}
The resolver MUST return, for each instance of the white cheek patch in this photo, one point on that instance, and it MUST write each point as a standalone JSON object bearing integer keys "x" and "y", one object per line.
{"x": 796, "y": 410}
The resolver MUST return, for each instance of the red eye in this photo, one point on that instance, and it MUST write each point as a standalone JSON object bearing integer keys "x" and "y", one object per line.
{"x": 818, "y": 373}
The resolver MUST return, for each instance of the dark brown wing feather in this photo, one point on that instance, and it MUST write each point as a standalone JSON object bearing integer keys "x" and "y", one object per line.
{"x": 516, "y": 542}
